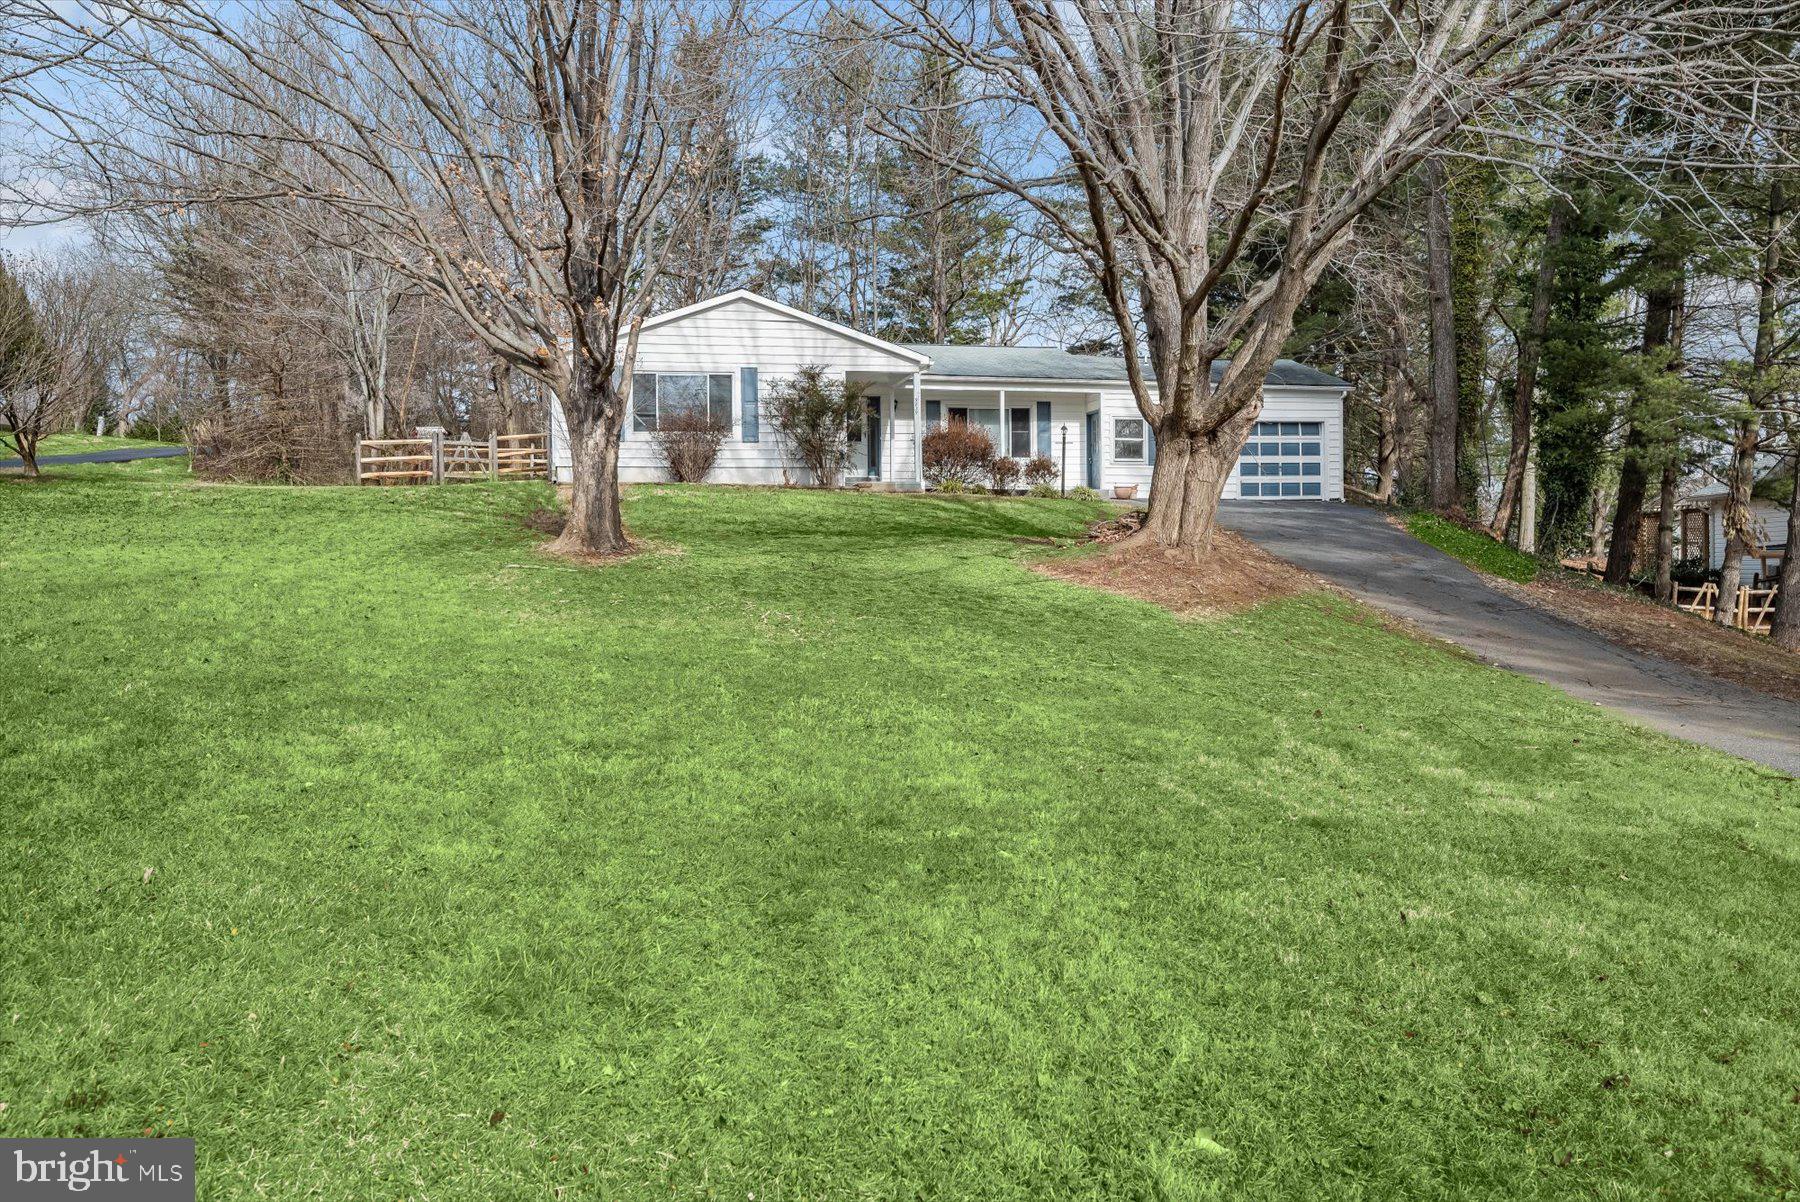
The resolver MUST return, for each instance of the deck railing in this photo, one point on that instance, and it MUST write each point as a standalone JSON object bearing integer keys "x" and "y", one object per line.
{"x": 440, "y": 460}
{"x": 1753, "y": 609}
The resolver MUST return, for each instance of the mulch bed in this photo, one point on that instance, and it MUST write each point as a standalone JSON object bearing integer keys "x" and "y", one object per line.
{"x": 1237, "y": 576}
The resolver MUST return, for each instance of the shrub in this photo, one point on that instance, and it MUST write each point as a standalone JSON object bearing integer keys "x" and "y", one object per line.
{"x": 1039, "y": 469}
{"x": 1083, "y": 493}
{"x": 1005, "y": 472}
{"x": 1042, "y": 489}
{"x": 958, "y": 451}
{"x": 950, "y": 485}
{"x": 1692, "y": 571}
{"x": 980, "y": 490}
{"x": 813, "y": 414}
{"x": 689, "y": 443}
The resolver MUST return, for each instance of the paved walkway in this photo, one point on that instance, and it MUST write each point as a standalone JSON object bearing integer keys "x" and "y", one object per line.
{"x": 1359, "y": 550}
{"x": 118, "y": 455}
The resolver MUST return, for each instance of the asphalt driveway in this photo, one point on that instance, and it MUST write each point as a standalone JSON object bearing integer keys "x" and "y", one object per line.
{"x": 118, "y": 455}
{"x": 1357, "y": 549}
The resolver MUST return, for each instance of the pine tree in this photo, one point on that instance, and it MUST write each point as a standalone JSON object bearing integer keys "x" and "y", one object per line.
{"x": 950, "y": 272}
{"x": 1581, "y": 365}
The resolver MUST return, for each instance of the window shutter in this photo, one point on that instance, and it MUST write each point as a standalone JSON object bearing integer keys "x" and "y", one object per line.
{"x": 1043, "y": 427}
{"x": 1149, "y": 445}
{"x": 752, "y": 411}
{"x": 933, "y": 412}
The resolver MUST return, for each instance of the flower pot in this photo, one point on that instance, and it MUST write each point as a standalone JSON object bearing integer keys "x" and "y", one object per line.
{"x": 1124, "y": 492}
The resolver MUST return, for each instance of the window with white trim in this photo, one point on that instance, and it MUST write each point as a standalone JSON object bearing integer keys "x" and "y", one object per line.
{"x": 1018, "y": 432}
{"x": 658, "y": 394}
{"x": 1128, "y": 439}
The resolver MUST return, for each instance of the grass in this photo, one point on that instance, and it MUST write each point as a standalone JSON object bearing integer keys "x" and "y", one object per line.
{"x": 1480, "y": 552}
{"x": 827, "y": 853}
{"x": 78, "y": 444}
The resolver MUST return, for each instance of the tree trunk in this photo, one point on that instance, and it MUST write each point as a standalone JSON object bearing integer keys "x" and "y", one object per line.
{"x": 1665, "y": 535}
{"x": 1471, "y": 263}
{"x": 1186, "y": 483}
{"x": 26, "y": 445}
{"x": 1531, "y": 350}
{"x": 1749, "y": 427}
{"x": 505, "y": 400}
{"x": 595, "y": 525}
{"x": 1661, "y": 301}
{"x": 1442, "y": 493}
{"x": 1786, "y": 629}
{"x": 1528, "y": 503}
{"x": 1387, "y": 462}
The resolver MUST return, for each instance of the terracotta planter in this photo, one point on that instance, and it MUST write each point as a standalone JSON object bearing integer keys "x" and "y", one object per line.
{"x": 1124, "y": 492}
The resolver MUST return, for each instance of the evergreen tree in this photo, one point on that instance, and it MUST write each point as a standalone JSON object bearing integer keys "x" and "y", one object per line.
{"x": 1581, "y": 365}
{"x": 950, "y": 271}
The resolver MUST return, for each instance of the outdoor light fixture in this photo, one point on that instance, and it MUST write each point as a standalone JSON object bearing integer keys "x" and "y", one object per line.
{"x": 1062, "y": 477}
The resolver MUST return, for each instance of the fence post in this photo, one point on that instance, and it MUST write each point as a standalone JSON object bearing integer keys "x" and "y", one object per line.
{"x": 437, "y": 456}
{"x": 493, "y": 456}
{"x": 356, "y": 458}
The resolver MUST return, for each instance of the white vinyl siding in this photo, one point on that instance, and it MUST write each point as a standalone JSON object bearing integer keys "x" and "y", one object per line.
{"x": 721, "y": 341}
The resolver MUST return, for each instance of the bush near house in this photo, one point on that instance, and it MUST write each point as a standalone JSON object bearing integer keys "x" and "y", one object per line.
{"x": 958, "y": 451}
{"x": 813, "y": 413}
{"x": 1039, "y": 469}
{"x": 689, "y": 443}
{"x": 1005, "y": 473}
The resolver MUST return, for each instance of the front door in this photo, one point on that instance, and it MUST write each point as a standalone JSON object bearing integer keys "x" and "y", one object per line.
{"x": 1092, "y": 449}
{"x": 872, "y": 437}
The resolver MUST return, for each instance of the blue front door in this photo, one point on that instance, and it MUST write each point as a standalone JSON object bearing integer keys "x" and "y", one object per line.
{"x": 873, "y": 434}
{"x": 1093, "y": 449}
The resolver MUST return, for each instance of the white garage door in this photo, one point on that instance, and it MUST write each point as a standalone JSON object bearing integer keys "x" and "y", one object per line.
{"x": 1283, "y": 459}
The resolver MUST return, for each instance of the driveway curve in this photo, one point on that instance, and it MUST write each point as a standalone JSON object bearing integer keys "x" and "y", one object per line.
{"x": 1360, "y": 551}
{"x": 117, "y": 455}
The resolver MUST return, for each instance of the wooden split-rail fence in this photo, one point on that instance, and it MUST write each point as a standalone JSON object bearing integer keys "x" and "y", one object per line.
{"x": 440, "y": 460}
{"x": 1753, "y": 609}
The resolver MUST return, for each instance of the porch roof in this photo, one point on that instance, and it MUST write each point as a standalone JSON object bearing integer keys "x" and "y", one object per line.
{"x": 1050, "y": 363}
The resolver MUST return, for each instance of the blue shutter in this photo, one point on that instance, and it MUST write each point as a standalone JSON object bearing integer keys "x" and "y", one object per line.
{"x": 1149, "y": 444}
{"x": 933, "y": 412}
{"x": 1043, "y": 425}
{"x": 752, "y": 412}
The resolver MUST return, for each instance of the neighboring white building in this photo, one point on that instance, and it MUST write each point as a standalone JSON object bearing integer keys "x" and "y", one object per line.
{"x": 1701, "y": 532}
{"x": 1075, "y": 409}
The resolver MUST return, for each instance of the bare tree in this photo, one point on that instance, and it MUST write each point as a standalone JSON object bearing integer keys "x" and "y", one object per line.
{"x": 520, "y": 161}
{"x": 50, "y": 371}
{"x": 1199, "y": 130}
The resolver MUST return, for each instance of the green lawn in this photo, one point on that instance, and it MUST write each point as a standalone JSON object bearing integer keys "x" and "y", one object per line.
{"x": 827, "y": 853}
{"x": 1480, "y": 552}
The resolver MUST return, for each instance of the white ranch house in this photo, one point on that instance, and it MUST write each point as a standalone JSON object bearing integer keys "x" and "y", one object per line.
{"x": 1076, "y": 409}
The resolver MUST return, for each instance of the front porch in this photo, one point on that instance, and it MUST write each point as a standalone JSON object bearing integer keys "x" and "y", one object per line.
{"x": 1060, "y": 424}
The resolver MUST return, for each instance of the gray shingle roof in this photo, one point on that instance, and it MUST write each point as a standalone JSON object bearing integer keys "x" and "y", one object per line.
{"x": 1049, "y": 363}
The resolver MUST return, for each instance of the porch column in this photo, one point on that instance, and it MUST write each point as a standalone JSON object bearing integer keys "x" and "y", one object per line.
{"x": 918, "y": 432}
